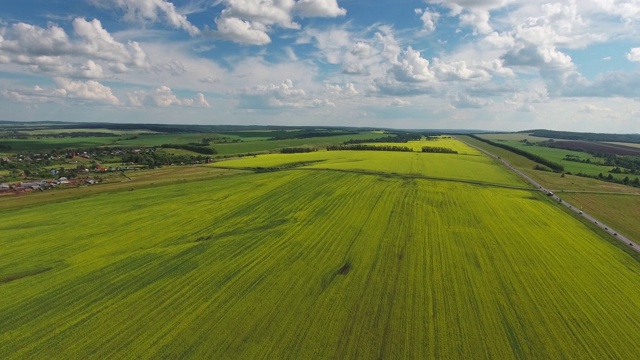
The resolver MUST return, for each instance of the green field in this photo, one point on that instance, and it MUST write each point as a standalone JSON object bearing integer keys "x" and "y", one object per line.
{"x": 249, "y": 144}
{"x": 557, "y": 156}
{"x": 477, "y": 169}
{"x": 362, "y": 255}
{"x": 445, "y": 142}
{"x": 621, "y": 211}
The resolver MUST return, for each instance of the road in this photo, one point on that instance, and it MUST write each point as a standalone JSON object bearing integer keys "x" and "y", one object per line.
{"x": 632, "y": 244}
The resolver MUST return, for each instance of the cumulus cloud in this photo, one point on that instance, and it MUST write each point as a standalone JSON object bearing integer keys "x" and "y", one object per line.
{"x": 242, "y": 32}
{"x": 634, "y": 54}
{"x": 457, "y": 70}
{"x": 412, "y": 67}
{"x": 399, "y": 102}
{"x": 150, "y": 10}
{"x": 358, "y": 59}
{"x": 347, "y": 90}
{"x": 473, "y": 13}
{"x": 86, "y": 55}
{"x": 89, "y": 91}
{"x": 163, "y": 96}
{"x": 523, "y": 100}
{"x": 318, "y": 8}
{"x": 249, "y": 22}
{"x": 283, "y": 95}
{"x": 429, "y": 19}
{"x": 464, "y": 101}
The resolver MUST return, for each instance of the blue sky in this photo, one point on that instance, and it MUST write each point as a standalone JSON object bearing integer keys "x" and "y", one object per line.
{"x": 459, "y": 64}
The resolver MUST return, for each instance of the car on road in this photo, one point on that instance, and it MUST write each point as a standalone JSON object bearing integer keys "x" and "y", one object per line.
{"x": 580, "y": 212}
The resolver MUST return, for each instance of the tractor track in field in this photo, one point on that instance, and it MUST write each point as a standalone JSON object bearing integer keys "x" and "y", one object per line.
{"x": 417, "y": 176}
{"x": 606, "y": 228}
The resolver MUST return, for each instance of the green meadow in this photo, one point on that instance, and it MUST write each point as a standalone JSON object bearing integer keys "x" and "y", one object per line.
{"x": 330, "y": 254}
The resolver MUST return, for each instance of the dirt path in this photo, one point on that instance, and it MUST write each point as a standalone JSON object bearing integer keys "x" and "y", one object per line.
{"x": 632, "y": 244}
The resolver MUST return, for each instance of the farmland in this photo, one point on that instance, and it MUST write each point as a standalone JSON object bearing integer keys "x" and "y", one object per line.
{"x": 346, "y": 254}
{"x": 556, "y": 153}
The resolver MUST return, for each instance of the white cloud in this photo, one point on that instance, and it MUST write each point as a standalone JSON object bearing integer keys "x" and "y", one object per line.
{"x": 457, "y": 70}
{"x": 318, "y": 8}
{"x": 429, "y": 19}
{"x": 399, "y": 102}
{"x": 86, "y": 90}
{"x": 283, "y": 95}
{"x": 358, "y": 59}
{"x": 52, "y": 51}
{"x": 333, "y": 43}
{"x": 634, "y": 54}
{"x": 345, "y": 91}
{"x": 464, "y": 101}
{"x": 150, "y": 10}
{"x": 164, "y": 97}
{"x": 590, "y": 108}
{"x": 242, "y": 32}
{"x": 250, "y": 21}
{"x": 473, "y": 13}
{"x": 412, "y": 67}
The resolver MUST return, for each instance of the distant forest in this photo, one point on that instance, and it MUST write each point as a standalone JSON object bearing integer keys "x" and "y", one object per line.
{"x": 567, "y": 135}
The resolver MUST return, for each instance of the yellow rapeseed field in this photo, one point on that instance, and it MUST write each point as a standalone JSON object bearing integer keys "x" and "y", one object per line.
{"x": 308, "y": 263}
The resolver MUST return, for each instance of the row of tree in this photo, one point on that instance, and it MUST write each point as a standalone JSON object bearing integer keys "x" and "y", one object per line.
{"x": 297, "y": 150}
{"x": 437, "y": 149}
{"x": 397, "y": 138}
{"x": 369, "y": 147}
{"x": 610, "y": 178}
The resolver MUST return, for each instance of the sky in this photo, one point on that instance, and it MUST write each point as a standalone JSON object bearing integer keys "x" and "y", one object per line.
{"x": 504, "y": 65}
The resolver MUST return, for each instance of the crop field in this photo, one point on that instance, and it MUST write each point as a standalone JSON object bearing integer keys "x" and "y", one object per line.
{"x": 253, "y": 145}
{"x": 625, "y": 144}
{"x": 621, "y": 212}
{"x": 248, "y": 144}
{"x": 479, "y": 169}
{"x": 514, "y": 137}
{"x": 445, "y": 142}
{"x": 313, "y": 263}
{"x": 557, "y": 155}
{"x": 552, "y": 180}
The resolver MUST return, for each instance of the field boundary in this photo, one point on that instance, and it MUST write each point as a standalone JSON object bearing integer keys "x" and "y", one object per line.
{"x": 630, "y": 243}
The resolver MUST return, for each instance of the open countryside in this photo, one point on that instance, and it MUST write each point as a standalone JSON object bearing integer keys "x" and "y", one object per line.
{"x": 323, "y": 254}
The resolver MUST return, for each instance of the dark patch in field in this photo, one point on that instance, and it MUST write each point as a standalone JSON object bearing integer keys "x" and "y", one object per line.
{"x": 23, "y": 274}
{"x": 288, "y": 166}
{"x": 203, "y": 238}
{"x": 344, "y": 270}
{"x": 595, "y": 147}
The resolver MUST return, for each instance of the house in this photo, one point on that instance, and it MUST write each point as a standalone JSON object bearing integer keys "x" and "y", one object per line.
{"x": 5, "y": 188}
{"x": 63, "y": 180}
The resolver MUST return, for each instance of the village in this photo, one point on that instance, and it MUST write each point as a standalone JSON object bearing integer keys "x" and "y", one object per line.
{"x": 30, "y": 172}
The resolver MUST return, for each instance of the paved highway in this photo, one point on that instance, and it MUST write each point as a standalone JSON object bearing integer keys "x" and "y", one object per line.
{"x": 606, "y": 228}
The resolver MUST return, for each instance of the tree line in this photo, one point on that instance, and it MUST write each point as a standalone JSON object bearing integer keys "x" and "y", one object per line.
{"x": 397, "y": 138}
{"x": 296, "y": 150}
{"x": 438, "y": 149}
{"x": 369, "y": 148}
